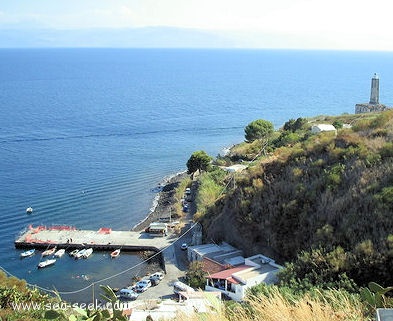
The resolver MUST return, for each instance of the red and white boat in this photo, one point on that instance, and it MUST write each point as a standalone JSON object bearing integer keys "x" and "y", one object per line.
{"x": 115, "y": 253}
{"x": 49, "y": 251}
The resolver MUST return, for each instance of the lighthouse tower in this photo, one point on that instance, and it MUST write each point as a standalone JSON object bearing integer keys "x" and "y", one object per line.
{"x": 373, "y": 105}
{"x": 374, "y": 96}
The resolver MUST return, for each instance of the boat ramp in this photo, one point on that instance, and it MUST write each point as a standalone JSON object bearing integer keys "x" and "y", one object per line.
{"x": 104, "y": 239}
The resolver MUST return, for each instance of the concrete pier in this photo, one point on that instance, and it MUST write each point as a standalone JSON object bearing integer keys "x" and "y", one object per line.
{"x": 103, "y": 239}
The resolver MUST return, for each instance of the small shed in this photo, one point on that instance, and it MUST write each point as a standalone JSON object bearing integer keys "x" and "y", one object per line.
{"x": 315, "y": 129}
{"x": 158, "y": 228}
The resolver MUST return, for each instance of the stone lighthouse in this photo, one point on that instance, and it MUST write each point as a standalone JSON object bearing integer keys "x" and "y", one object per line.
{"x": 374, "y": 104}
{"x": 374, "y": 96}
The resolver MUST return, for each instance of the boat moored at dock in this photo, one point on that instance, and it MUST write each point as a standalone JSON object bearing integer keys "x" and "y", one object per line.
{"x": 27, "y": 253}
{"x": 80, "y": 254}
{"x": 87, "y": 253}
{"x": 115, "y": 253}
{"x": 49, "y": 251}
{"x": 59, "y": 253}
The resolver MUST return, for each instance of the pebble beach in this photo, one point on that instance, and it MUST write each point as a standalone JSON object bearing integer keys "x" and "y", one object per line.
{"x": 164, "y": 201}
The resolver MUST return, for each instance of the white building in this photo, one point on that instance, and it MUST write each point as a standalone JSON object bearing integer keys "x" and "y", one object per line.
{"x": 315, "y": 129}
{"x": 234, "y": 282}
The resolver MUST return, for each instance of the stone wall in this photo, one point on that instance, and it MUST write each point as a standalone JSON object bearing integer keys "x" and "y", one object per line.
{"x": 368, "y": 108}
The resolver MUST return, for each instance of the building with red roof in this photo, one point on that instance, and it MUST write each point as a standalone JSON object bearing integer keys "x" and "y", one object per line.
{"x": 235, "y": 281}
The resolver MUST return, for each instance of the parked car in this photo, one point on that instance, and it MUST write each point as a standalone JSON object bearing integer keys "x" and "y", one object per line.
{"x": 154, "y": 281}
{"x": 156, "y": 278}
{"x": 142, "y": 285}
{"x": 184, "y": 246}
{"x": 128, "y": 294}
{"x": 158, "y": 275}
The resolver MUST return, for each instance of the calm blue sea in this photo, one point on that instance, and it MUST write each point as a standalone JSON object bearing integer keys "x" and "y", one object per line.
{"x": 86, "y": 134}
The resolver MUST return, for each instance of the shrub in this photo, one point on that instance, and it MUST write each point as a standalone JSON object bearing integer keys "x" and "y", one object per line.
{"x": 338, "y": 124}
{"x": 258, "y": 129}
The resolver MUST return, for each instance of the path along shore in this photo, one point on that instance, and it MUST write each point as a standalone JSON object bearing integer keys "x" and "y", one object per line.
{"x": 166, "y": 199}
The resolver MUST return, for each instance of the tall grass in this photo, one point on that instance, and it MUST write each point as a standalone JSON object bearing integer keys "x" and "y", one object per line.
{"x": 330, "y": 305}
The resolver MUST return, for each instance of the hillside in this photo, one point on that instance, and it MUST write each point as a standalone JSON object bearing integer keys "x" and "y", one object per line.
{"x": 322, "y": 201}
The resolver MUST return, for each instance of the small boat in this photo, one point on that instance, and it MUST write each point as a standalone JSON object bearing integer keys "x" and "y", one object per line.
{"x": 73, "y": 253}
{"x": 49, "y": 251}
{"x": 27, "y": 253}
{"x": 87, "y": 253}
{"x": 46, "y": 263}
{"x": 29, "y": 210}
{"x": 80, "y": 253}
{"x": 60, "y": 253}
{"x": 115, "y": 253}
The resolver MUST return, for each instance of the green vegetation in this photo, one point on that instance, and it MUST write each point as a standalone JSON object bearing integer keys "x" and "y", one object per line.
{"x": 319, "y": 203}
{"x": 78, "y": 314}
{"x": 199, "y": 160}
{"x": 18, "y": 302}
{"x": 322, "y": 202}
{"x": 14, "y": 292}
{"x": 210, "y": 187}
{"x": 258, "y": 129}
{"x": 195, "y": 275}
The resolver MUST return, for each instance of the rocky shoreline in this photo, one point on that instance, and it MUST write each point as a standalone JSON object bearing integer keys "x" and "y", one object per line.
{"x": 165, "y": 200}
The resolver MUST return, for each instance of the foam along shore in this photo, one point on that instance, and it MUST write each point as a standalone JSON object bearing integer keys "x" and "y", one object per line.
{"x": 163, "y": 202}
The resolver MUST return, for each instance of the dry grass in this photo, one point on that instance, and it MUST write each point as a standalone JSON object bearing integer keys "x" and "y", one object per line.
{"x": 332, "y": 306}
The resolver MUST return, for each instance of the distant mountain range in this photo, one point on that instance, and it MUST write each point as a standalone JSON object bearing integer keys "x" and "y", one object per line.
{"x": 149, "y": 37}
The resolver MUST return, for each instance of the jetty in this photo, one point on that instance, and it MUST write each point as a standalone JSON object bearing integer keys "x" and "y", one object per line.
{"x": 104, "y": 239}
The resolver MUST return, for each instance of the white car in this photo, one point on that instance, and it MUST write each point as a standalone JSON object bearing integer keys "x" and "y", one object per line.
{"x": 157, "y": 275}
{"x": 128, "y": 294}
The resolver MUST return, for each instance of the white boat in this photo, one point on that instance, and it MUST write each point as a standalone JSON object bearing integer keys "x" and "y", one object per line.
{"x": 60, "y": 253}
{"x": 87, "y": 253}
{"x": 49, "y": 251}
{"x": 115, "y": 253}
{"x": 27, "y": 253}
{"x": 29, "y": 210}
{"x": 73, "y": 253}
{"x": 46, "y": 263}
{"x": 80, "y": 253}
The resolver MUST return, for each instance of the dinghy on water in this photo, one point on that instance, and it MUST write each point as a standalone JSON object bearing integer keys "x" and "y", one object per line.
{"x": 49, "y": 251}
{"x": 27, "y": 253}
{"x": 60, "y": 253}
{"x": 74, "y": 252}
{"x": 29, "y": 210}
{"x": 46, "y": 263}
{"x": 115, "y": 253}
{"x": 80, "y": 254}
{"x": 87, "y": 253}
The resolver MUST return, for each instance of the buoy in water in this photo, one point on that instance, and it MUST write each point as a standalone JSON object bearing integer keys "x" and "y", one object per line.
{"x": 29, "y": 210}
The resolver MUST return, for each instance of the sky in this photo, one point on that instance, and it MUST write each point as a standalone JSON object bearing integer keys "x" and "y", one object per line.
{"x": 301, "y": 24}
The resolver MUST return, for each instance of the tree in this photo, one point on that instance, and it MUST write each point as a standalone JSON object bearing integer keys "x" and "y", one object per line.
{"x": 195, "y": 275}
{"x": 294, "y": 125}
{"x": 199, "y": 160}
{"x": 258, "y": 129}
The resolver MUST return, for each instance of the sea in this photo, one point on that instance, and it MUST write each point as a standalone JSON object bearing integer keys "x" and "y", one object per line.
{"x": 86, "y": 135}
